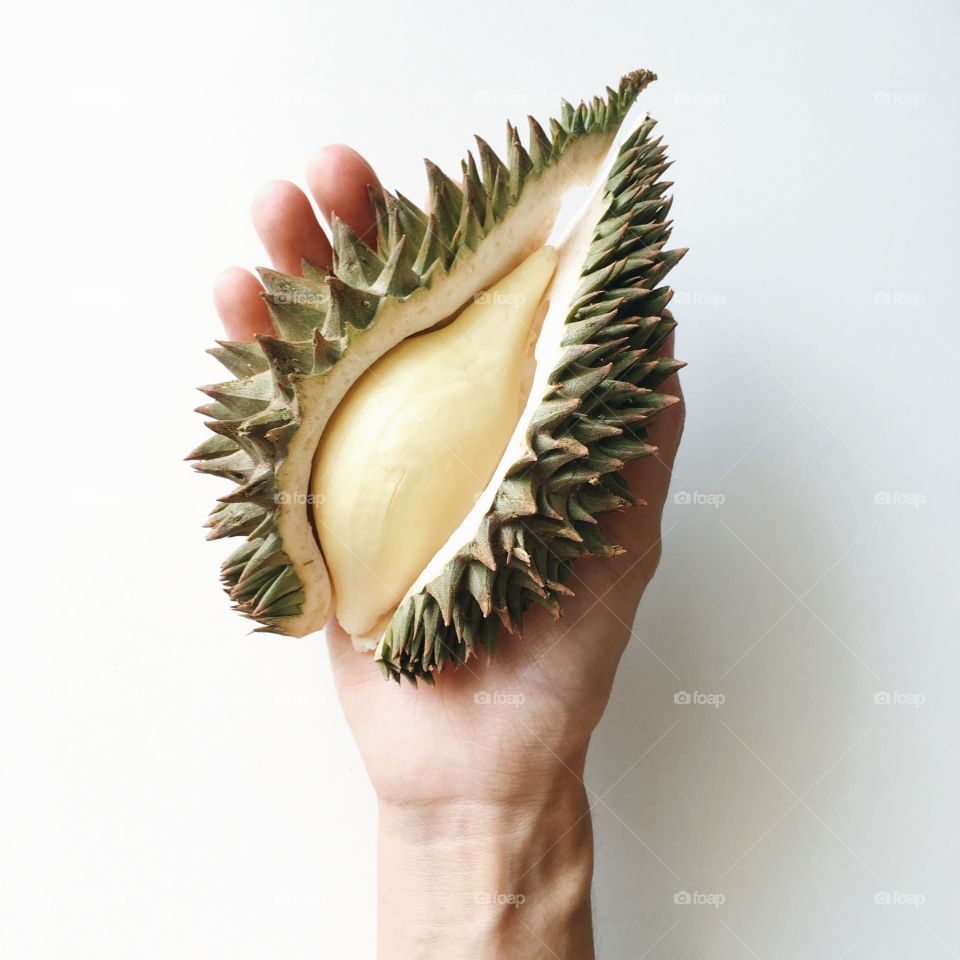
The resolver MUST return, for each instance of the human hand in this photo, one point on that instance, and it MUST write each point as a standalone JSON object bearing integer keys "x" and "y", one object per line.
{"x": 480, "y": 777}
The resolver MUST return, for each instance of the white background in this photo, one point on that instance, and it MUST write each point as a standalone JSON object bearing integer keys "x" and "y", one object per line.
{"x": 171, "y": 787}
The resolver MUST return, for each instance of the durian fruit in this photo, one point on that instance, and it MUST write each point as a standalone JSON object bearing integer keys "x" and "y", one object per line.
{"x": 424, "y": 445}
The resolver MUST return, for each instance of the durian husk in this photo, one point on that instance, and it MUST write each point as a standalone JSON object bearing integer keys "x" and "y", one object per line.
{"x": 580, "y": 430}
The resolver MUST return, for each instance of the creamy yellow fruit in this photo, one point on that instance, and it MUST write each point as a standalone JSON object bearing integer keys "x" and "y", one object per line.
{"x": 416, "y": 440}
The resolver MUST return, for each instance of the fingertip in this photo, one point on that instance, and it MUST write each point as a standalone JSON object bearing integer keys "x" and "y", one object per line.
{"x": 287, "y": 226}
{"x": 339, "y": 179}
{"x": 242, "y": 310}
{"x": 272, "y": 202}
{"x": 337, "y": 160}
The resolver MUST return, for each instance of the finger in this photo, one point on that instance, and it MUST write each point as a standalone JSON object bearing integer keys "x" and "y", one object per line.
{"x": 288, "y": 227}
{"x": 339, "y": 179}
{"x": 242, "y": 310}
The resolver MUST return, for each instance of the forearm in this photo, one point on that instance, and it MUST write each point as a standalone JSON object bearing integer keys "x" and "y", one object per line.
{"x": 484, "y": 881}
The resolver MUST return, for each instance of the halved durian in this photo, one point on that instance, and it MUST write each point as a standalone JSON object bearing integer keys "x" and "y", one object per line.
{"x": 439, "y": 421}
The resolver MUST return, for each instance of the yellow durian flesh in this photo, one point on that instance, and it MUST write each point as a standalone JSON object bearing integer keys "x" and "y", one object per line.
{"x": 417, "y": 439}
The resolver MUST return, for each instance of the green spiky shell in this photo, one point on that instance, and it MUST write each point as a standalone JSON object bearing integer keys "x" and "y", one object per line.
{"x": 588, "y": 426}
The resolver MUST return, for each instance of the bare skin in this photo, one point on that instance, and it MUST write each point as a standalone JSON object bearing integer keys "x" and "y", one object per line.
{"x": 485, "y": 838}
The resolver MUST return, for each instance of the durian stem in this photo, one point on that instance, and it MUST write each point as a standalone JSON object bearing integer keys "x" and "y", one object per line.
{"x": 471, "y": 881}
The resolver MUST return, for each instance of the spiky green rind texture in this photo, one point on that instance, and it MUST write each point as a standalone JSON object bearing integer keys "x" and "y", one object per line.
{"x": 255, "y": 416}
{"x": 591, "y": 423}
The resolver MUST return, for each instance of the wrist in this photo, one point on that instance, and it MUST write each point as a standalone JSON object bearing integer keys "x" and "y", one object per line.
{"x": 487, "y": 879}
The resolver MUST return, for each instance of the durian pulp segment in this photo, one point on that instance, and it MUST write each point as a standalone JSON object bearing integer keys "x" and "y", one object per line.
{"x": 416, "y": 440}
